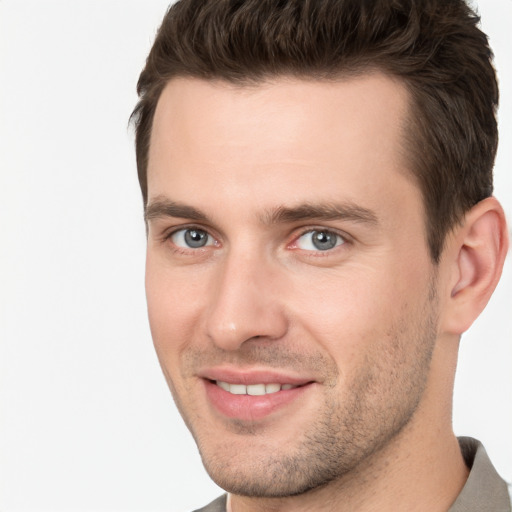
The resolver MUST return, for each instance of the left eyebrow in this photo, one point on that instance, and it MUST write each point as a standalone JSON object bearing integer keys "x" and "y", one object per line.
{"x": 309, "y": 212}
{"x": 162, "y": 207}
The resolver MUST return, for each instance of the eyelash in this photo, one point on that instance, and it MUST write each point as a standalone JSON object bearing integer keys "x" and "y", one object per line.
{"x": 167, "y": 237}
{"x": 345, "y": 240}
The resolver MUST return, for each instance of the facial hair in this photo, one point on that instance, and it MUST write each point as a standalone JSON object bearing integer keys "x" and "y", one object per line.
{"x": 376, "y": 403}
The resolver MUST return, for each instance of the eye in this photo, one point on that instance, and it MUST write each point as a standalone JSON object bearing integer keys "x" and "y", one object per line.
{"x": 191, "y": 238}
{"x": 319, "y": 240}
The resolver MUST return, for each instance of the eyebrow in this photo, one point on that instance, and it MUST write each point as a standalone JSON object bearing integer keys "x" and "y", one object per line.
{"x": 163, "y": 207}
{"x": 166, "y": 208}
{"x": 329, "y": 211}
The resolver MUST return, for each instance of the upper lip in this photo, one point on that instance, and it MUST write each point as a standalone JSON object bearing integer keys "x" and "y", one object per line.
{"x": 252, "y": 376}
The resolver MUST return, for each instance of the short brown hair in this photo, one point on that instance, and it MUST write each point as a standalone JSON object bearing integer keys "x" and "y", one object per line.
{"x": 433, "y": 46}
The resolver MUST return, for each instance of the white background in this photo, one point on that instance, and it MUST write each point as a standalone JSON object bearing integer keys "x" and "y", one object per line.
{"x": 86, "y": 420}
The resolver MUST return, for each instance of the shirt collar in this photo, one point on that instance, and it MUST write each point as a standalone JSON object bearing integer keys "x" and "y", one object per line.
{"x": 484, "y": 488}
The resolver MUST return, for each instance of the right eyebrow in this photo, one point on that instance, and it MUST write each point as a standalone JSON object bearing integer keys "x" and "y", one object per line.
{"x": 319, "y": 212}
{"x": 161, "y": 207}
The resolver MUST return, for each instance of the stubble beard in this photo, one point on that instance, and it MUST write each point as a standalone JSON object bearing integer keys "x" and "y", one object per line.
{"x": 349, "y": 431}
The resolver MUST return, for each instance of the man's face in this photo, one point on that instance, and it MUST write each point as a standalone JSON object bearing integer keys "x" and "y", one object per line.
{"x": 291, "y": 296}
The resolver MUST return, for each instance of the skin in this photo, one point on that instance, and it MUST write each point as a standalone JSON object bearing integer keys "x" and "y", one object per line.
{"x": 370, "y": 325}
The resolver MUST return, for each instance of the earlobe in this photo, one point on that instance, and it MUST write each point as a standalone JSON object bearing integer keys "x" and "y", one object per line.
{"x": 481, "y": 244}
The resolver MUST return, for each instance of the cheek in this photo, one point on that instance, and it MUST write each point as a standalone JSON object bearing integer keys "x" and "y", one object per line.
{"x": 343, "y": 302}
{"x": 356, "y": 313}
{"x": 173, "y": 308}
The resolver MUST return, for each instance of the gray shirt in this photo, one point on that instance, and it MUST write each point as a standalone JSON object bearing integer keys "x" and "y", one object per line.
{"x": 485, "y": 490}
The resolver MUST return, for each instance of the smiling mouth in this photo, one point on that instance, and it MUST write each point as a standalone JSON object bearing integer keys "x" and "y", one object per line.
{"x": 256, "y": 398}
{"x": 253, "y": 389}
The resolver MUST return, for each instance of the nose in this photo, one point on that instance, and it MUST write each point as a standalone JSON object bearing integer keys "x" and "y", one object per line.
{"x": 245, "y": 303}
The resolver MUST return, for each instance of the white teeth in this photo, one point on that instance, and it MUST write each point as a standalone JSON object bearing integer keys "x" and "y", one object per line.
{"x": 223, "y": 385}
{"x": 256, "y": 389}
{"x": 253, "y": 389}
{"x": 272, "y": 388}
{"x": 238, "y": 389}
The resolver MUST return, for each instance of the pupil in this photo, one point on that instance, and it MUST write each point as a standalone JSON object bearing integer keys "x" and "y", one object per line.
{"x": 323, "y": 240}
{"x": 195, "y": 238}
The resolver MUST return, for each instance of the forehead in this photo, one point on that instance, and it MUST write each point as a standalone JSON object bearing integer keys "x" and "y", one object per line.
{"x": 304, "y": 139}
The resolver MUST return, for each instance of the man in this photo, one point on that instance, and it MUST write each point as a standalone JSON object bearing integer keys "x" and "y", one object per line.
{"x": 317, "y": 181}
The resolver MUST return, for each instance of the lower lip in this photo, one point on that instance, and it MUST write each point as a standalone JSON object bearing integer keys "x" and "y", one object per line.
{"x": 248, "y": 407}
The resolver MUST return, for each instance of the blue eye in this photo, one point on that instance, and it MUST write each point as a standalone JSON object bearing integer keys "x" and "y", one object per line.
{"x": 191, "y": 238}
{"x": 319, "y": 240}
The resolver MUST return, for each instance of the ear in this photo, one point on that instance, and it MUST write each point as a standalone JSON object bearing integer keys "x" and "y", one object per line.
{"x": 476, "y": 255}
